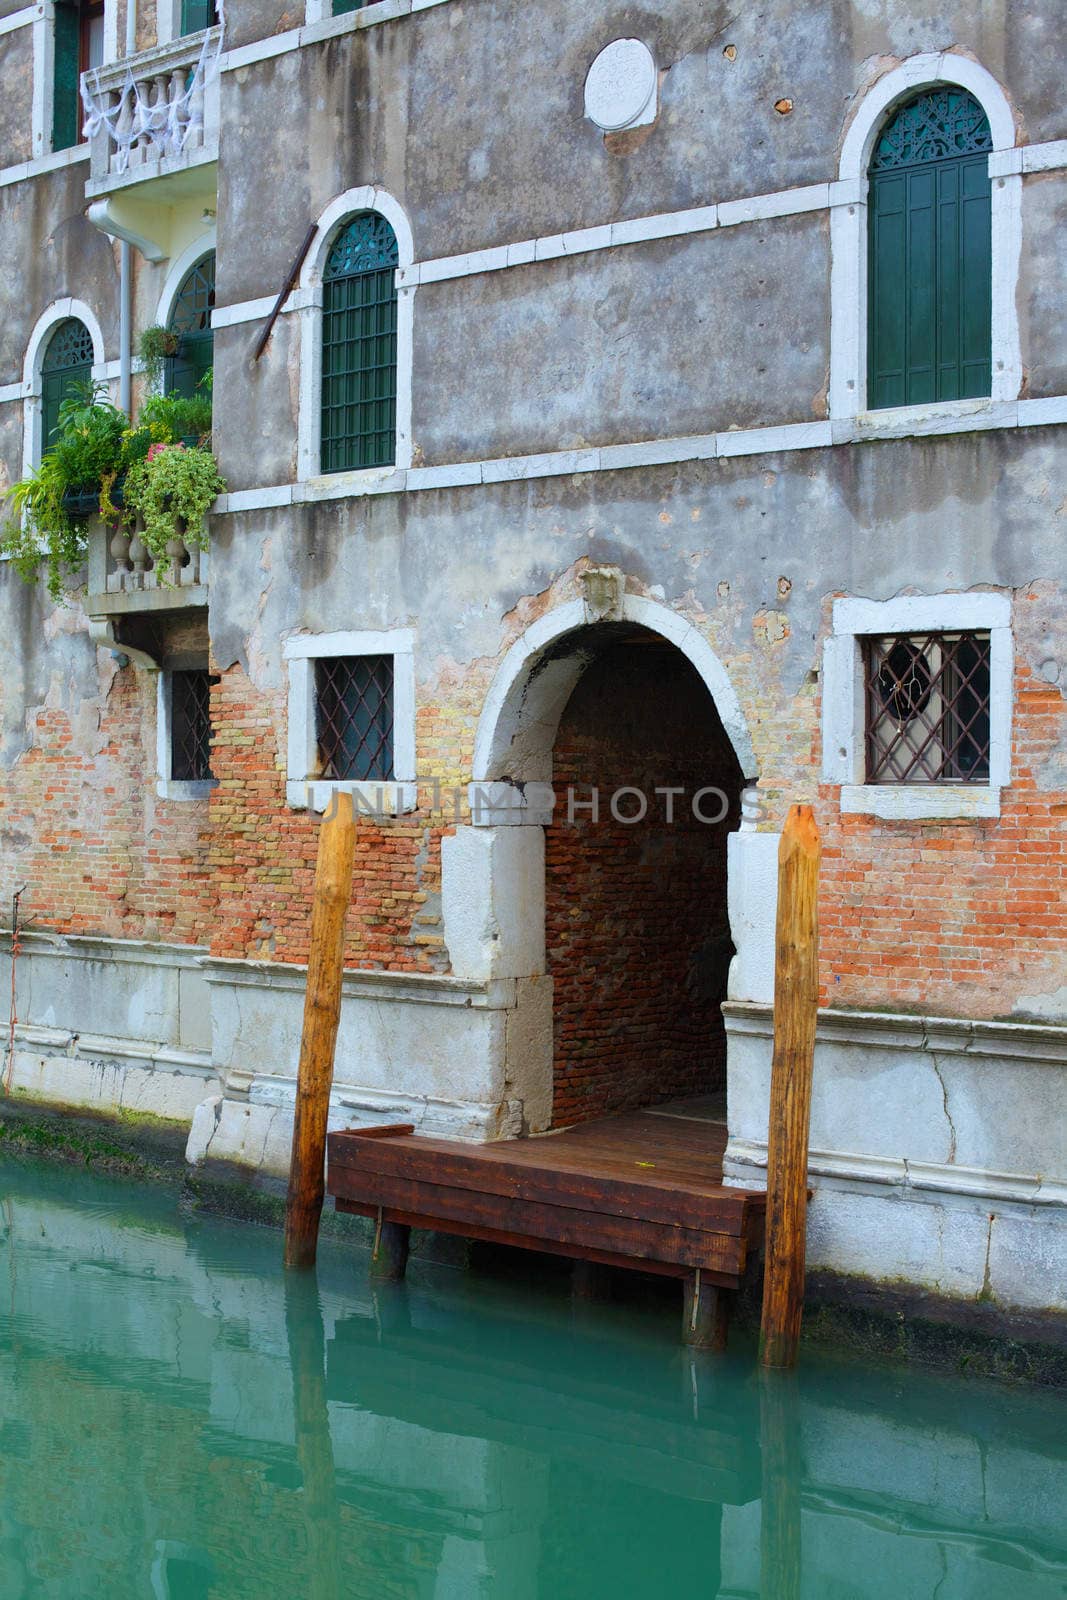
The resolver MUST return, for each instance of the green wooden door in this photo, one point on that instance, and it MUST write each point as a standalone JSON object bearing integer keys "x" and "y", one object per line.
{"x": 191, "y": 321}
{"x": 68, "y": 361}
{"x": 197, "y": 15}
{"x": 359, "y": 347}
{"x": 929, "y": 282}
{"x": 66, "y": 96}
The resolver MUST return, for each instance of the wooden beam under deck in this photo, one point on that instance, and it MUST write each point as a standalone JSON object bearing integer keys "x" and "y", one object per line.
{"x": 641, "y": 1190}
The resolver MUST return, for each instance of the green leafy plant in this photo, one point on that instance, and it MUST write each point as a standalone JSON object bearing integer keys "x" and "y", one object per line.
{"x": 171, "y": 489}
{"x": 159, "y": 471}
{"x": 184, "y": 419}
{"x": 51, "y": 505}
{"x": 153, "y": 347}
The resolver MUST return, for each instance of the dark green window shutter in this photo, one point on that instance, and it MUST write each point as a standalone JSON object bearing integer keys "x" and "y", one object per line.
{"x": 191, "y": 321}
{"x": 341, "y": 6}
{"x": 68, "y": 360}
{"x": 66, "y": 97}
{"x": 359, "y": 347}
{"x": 198, "y": 15}
{"x": 929, "y": 282}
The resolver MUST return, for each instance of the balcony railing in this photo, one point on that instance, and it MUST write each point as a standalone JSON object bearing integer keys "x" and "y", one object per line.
{"x": 158, "y": 110}
{"x": 123, "y": 576}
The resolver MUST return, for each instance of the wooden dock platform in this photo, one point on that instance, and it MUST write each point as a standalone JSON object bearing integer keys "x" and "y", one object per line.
{"x": 641, "y": 1190}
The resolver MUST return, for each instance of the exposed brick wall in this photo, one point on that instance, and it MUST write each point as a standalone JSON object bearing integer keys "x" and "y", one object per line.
{"x": 956, "y": 918}
{"x": 262, "y": 854}
{"x": 637, "y": 933}
{"x": 82, "y": 827}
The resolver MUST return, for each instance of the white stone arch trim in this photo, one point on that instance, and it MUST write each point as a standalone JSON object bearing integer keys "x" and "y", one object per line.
{"x": 364, "y": 198}
{"x": 516, "y": 731}
{"x": 43, "y": 329}
{"x": 848, "y": 230}
{"x": 180, "y": 265}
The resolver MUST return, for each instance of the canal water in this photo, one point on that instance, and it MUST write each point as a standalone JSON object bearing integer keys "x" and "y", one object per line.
{"x": 179, "y": 1420}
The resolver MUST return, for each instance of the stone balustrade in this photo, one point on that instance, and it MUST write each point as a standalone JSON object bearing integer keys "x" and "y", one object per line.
{"x": 130, "y": 567}
{"x": 160, "y": 106}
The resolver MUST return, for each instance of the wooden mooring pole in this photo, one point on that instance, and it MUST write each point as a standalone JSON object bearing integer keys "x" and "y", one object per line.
{"x": 796, "y": 999}
{"x": 322, "y": 1012}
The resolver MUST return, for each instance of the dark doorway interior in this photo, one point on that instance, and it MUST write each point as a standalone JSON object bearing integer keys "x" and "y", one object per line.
{"x": 637, "y": 932}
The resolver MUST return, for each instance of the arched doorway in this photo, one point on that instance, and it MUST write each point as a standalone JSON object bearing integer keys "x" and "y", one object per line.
{"x": 638, "y": 941}
{"x": 610, "y": 661}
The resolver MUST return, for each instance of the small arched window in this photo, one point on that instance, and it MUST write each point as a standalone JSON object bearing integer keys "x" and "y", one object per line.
{"x": 359, "y": 309}
{"x": 67, "y": 362}
{"x": 929, "y": 289}
{"x": 190, "y": 321}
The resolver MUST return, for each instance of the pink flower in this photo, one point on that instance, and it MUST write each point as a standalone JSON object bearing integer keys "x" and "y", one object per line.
{"x": 155, "y": 450}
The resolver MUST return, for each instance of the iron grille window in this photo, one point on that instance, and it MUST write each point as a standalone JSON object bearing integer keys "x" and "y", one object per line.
{"x": 354, "y": 716}
{"x": 359, "y": 347}
{"x": 927, "y": 707}
{"x": 190, "y": 320}
{"x": 929, "y": 257}
{"x": 68, "y": 361}
{"x": 190, "y": 727}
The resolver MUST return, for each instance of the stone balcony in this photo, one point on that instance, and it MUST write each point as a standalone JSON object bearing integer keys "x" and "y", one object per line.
{"x": 124, "y": 580}
{"x": 152, "y": 122}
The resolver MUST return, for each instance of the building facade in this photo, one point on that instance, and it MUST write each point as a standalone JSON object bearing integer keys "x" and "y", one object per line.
{"x": 660, "y": 424}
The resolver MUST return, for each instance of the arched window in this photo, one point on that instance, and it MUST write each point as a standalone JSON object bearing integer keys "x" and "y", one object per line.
{"x": 68, "y": 360}
{"x": 190, "y": 320}
{"x": 929, "y": 289}
{"x": 359, "y": 317}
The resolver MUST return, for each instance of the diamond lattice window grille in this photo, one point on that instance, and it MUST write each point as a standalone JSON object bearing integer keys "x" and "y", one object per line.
{"x": 936, "y": 125}
{"x": 190, "y": 726}
{"x": 354, "y": 717}
{"x": 927, "y": 707}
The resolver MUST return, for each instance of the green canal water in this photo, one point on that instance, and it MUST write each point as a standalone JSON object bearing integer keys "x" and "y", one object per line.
{"x": 179, "y": 1420}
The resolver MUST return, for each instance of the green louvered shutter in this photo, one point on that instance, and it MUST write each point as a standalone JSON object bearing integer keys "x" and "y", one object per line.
{"x": 198, "y": 15}
{"x": 341, "y": 6}
{"x": 359, "y": 346}
{"x": 68, "y": 360}
{"x": 929, "y": 289}
{"x": 66, "y": 99}
{"x": 191, "y": 321}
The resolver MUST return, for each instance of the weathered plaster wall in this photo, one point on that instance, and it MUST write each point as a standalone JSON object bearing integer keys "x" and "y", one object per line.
{"x": 675, "y": 336}
{"x": 49, "y": 250}
{"x": 1042, "y": 305}
{"x": 16, "y": 74}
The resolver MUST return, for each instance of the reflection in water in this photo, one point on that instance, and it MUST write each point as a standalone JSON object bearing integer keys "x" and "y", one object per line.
{"x": 181, "y": 1420}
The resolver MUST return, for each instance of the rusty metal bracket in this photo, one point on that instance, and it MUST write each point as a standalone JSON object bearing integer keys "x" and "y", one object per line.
{"x": 268, "y": 326}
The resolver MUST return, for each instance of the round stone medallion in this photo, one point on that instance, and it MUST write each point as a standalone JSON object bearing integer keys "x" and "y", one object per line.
{"x": 620, "y": 87}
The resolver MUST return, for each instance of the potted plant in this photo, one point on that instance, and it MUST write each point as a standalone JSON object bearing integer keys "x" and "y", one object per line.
{"x": 157, "y": 479}
{"x": 52, "y": 505}
{"x": 154, "y": 347}
{"x": 170, "y": 491}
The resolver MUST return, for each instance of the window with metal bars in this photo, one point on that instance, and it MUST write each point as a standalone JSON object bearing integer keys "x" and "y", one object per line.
{"x": 190, "y": 726}
{"x": 927, "y": 707}
{"x": 929, "y": 253}
{"x": 354, "y": 717}
{"x": 359, "y": 314}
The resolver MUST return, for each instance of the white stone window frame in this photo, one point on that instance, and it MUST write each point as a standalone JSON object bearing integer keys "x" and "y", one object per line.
{"x": 309, "y": 427}
{"x": 844, "y": 706}
{"x": 168, "y": 788}
{"x": 849, "y": 235}
{"x": 303, "y": 790}
{"x": 43, "y": 94}
{"x": 32, "y": 370}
